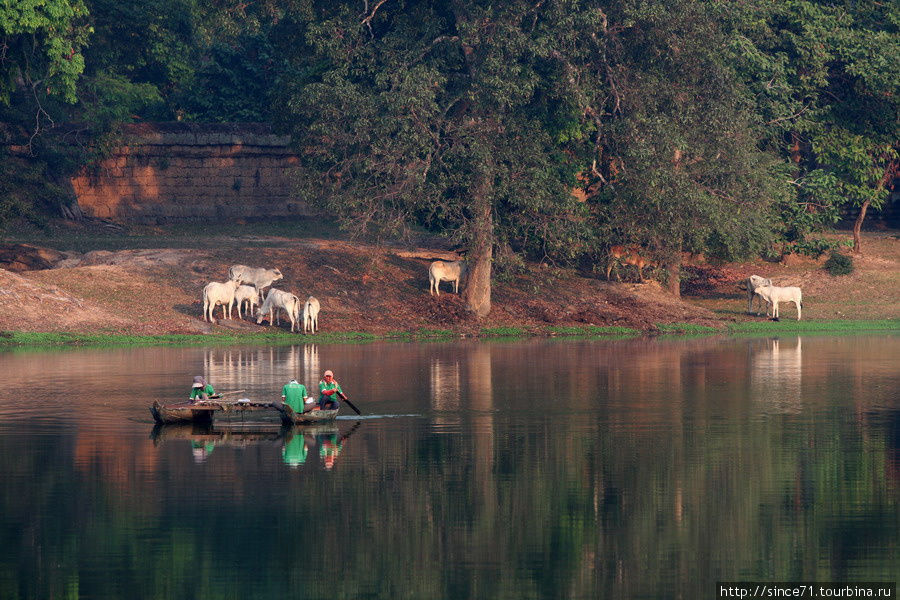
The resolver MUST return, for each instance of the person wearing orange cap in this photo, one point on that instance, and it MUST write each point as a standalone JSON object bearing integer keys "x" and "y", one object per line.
{"x": 329, "y": 391}
{"x": 329, "y": 448}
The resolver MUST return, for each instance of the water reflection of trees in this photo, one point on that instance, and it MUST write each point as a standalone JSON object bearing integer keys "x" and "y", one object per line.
{"x": 576, "y": 470}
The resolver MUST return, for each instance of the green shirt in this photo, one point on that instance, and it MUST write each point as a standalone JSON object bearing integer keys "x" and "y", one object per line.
{"x": 208, "y": 390}
{"x": 334, "y": 385}
{"x": 294, "y": 394}
{"x": 294, "y": 452}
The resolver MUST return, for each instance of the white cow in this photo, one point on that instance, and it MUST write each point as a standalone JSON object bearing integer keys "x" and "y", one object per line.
{"x": 773, "y": 295}
{"x": 219, "y": 293}
{"x": 440, "y": 271}
{"x": 248, "y": 294}
{"x": 755, "y": 281}
{"x": 311, "y": 315}
{"x": 257, "y": 276}
{"x": 279, "y": 300}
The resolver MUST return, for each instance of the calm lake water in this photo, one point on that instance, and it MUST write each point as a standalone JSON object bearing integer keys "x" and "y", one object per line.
{"x": 525, "y": 469}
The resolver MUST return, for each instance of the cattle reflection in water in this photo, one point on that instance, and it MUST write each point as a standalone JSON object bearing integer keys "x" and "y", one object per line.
{"x": 261, "y": 371}
{"x": 776, "y": 375}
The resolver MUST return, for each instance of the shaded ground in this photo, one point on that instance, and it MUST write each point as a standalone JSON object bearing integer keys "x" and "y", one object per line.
{"x": 157, "y": 290}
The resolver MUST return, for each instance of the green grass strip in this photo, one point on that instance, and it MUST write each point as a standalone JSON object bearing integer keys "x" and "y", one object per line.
{"x": 27, "y": 340}
{"x": 813, "y": 326}
{"x": 685, "y": 328}
{"x": 503, "y": 332}
{"x": 591, "y": 330}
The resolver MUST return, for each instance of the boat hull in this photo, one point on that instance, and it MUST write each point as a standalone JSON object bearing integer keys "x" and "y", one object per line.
{"x": 205, "y": 411}
{"x": 181, "y": 413}
{"x": 317, "y": 415}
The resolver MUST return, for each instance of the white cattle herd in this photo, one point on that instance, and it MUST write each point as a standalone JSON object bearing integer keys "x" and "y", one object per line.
{"x": 773, "y": 295}
{"x": 245, "y": 285}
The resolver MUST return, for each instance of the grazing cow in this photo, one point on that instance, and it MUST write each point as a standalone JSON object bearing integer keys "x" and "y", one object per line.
{"x": 630, "y": 255}
{"x": 248, "y": 294}
{"x": 256, "y": 276}
{"x": 219, "y": 293}
{"x": 755, "y": 281}
{"x": 773, "y": 295}
{"x": 279, "y": 300}
{"x": 311, "y": 315}
{"x": 440, "y": 271}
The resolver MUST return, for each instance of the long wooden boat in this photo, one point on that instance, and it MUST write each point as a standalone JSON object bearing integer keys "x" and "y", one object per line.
{"x": 317, "y": 415}
{"x": 203, "y": 411}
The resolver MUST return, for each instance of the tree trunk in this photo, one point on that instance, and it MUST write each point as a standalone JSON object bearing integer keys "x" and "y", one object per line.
{"x": 858, "y": 225}
{"x": 477, "y": 294}
{"x": 673, "y": 274}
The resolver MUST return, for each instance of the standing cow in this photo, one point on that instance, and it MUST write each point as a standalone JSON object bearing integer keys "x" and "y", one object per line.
{"x": 256, "y": 276}
{"x": 311, "y": 315}
{"x": 754, "y": 282}
{"x": 276, "y": 301}
{"x": 216, "y": 293}
{"x": 441, "y": 270}
{"x": 248, "y": 294}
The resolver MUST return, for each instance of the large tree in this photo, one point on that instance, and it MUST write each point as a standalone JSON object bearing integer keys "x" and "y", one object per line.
{"x": 447, "y": 114}
{"x": 679, "y": 168}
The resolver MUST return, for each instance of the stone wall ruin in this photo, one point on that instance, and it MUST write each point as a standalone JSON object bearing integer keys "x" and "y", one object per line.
{"x": 175, "y": 172}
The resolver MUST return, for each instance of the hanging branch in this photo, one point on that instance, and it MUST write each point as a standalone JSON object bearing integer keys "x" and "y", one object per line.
{"x": 367, "y": 21}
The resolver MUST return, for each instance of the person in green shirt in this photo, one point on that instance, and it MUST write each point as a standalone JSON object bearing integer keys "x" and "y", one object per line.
{"x": 294, "y": 395}
{"x": 329, "y": 391}
{"x": 294, "y": 451}
{"x": 201, "y": 450}
{"x": 201, "y": 390}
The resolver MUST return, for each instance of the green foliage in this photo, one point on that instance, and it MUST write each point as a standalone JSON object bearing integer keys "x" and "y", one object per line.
{"x": 42, "y": 44}
{"x": 26, "y": 191}
{"x": 684, "y": 138}
{"x": 234, "y": 82}
{"x": 839, "y": 264}
{"x": 109, "y": 98}
{"x": 825, "y": 80}
{"x": 414, "y": 120}
{"x": 814, "y": 247}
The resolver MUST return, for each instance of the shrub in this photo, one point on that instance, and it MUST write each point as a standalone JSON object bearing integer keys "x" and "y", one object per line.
{"x": 814, "y": 247}
{"x": 839, "y": 264}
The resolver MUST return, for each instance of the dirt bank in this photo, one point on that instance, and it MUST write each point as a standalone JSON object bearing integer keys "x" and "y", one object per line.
{"x": 377, "y": 289}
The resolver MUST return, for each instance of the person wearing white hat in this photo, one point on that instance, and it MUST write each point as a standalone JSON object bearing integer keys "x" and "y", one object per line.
{"x": 200, "y": 389}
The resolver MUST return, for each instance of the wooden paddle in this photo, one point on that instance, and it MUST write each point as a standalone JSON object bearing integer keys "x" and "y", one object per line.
{"x": 350, "y": 404}
{"x": 220, "y": 394}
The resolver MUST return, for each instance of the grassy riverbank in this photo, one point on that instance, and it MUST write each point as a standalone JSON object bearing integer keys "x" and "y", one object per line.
{"x": 36, "y": 340}
{"x": 129, "y": 286}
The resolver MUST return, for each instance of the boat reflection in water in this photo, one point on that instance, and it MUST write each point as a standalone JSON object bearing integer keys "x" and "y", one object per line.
{"x": 295, "y": 441}
{"x": 300, "y": 438}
